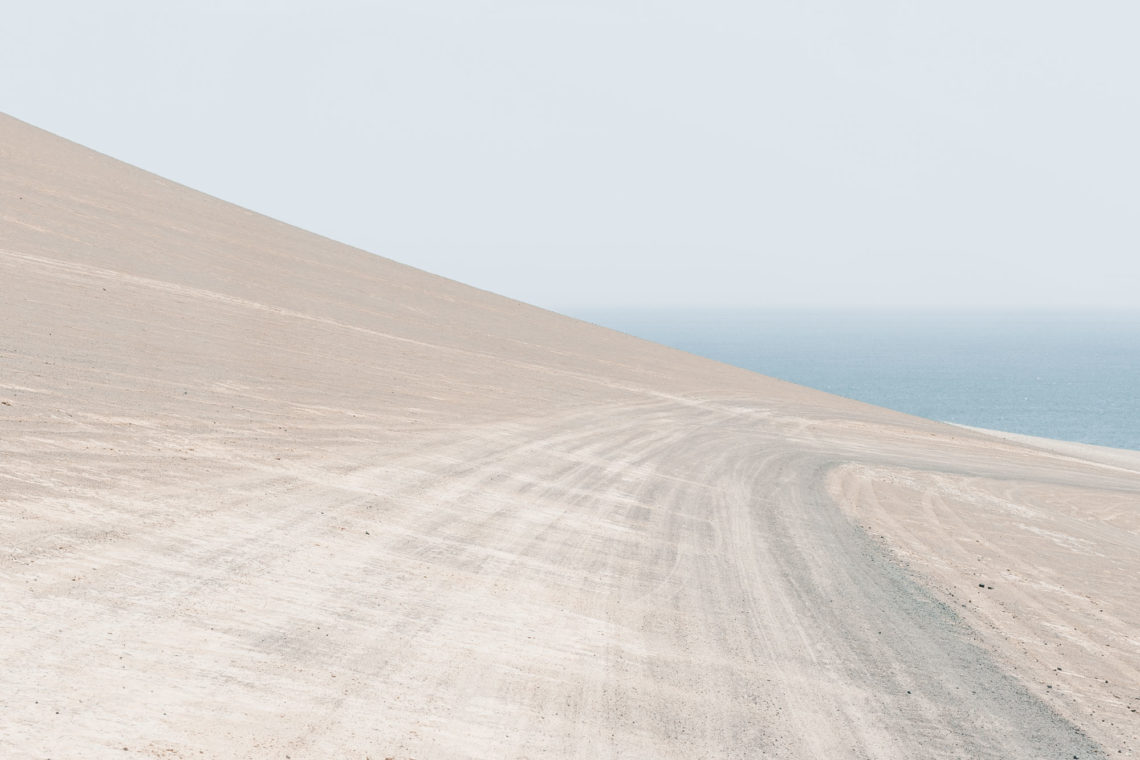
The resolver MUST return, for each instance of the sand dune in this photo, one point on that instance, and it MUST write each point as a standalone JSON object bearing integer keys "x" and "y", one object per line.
{"x": 265, "y": 495}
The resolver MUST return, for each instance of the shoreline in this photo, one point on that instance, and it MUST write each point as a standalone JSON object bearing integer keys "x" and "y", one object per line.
{"x": 272, "y": 495}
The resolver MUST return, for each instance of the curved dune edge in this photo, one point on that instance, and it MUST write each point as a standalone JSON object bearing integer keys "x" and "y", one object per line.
{"x": 267, "y": 495}
{"x": 1037, "y": 550}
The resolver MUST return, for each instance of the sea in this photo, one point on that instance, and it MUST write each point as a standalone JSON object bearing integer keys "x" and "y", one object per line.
{"x": 1069, "y": 376}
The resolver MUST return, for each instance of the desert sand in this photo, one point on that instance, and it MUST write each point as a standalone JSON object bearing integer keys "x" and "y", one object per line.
{"x": 266, "y": 496}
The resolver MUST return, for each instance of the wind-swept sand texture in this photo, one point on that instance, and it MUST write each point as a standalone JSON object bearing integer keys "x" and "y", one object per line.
{"x": 267, "y": 496}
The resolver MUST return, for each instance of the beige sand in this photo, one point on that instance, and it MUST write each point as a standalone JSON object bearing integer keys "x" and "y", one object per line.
{"x": 268, "y": 496}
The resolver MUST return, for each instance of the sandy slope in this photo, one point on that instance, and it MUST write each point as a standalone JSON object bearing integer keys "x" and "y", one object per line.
{"x": 268, "y": 496}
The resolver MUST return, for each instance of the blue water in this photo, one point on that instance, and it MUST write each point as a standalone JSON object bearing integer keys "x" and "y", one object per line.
{"x": 1074, "y": 377}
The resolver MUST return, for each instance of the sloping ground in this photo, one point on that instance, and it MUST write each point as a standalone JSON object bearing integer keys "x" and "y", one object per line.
{"x": 266, "y": 496}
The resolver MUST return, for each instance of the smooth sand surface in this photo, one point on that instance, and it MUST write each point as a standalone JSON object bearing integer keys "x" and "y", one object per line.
{"x": 265, "y": 495}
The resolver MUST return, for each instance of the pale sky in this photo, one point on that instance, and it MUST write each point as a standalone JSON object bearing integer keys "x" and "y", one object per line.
{"x": 599, "y": 153}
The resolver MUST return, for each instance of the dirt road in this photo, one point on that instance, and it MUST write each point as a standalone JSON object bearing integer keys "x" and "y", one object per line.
{"x": 266, "y": 496}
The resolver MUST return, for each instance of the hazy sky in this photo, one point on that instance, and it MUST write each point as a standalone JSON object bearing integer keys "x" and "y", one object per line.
{"x": 578, "y": 153}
